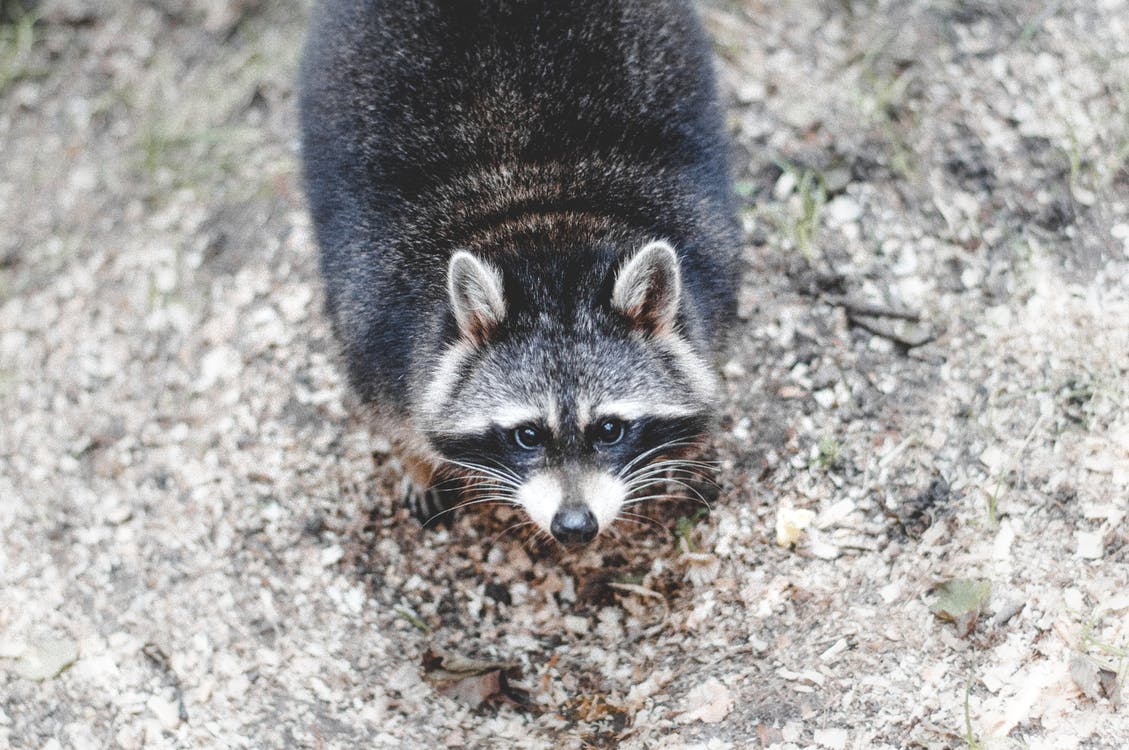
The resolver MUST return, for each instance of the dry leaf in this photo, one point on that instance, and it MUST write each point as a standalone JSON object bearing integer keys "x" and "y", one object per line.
{"x": 46, "y": 658}
{"x": 790, "y": 524}
{"x": 1094, "y": 680}
{"x": 709, "y": 702}
{"x": 961, "y": 601}
{"x": 469, "y": 680}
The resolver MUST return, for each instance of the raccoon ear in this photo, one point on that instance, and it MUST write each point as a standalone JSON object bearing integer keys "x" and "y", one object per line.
{"x": 649, "y": 286}
{"x": 475, "y": 290}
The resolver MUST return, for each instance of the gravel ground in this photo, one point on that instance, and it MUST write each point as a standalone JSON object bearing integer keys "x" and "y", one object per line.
{"x": 928, "y": 385}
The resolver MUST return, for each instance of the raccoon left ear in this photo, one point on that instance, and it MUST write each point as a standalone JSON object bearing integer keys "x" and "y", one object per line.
{"x": 475, "y": 291}
{"x": 649, "y": 286}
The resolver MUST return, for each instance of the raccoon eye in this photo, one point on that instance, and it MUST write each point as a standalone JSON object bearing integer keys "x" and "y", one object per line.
{"x": 609, "y": 432}
{"x": 529, "y": 437}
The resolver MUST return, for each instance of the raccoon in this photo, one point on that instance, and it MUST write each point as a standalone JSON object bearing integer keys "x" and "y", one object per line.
{"x": 528, "y": 243}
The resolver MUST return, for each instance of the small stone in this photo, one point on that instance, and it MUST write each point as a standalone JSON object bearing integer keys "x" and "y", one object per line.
{"x": 166, "y": 711}
{"x": 294, "y": 303}
{"x": 746, "y": 302}
{"x": 1090, "y": 545}
{"x": 790, "y": 524}
{"x": 1085, "y": 196}
{"x": 821, "y": 548}
{"x": 834, "y": 650}
{"x": 1074, "y": 599}
{"x": 743, "y": 429}
{"x": 834, "y": 739}
{"x": 575, "y": 624}
{"x": 836, "y": 179}
{"x": 836, "y": 513}
{"x": 784, "y": 186}
{"x": 220, "y": 364}
{"x": 751, "y": 91}
{"x": 330, "y": 556}
{"x": 993, "y": 458}
{"x": 116, "y": 511}
{"x": 825, "y": 398}
{"x": 891, "y": 592}
{"x": 46, "y": 658}
{"x": 842, "y": 210}
{"x": 164, "y": 279}
{"x": 733, "y": 370}
{"x": 709, "y": 702}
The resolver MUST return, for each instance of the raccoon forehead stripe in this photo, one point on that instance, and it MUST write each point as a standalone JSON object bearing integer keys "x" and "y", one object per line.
{"x": 627, "y": 410}
{"x": 512, "y": 416}
{"x": 504, "y": 416}
{"x": 547, "y": 413}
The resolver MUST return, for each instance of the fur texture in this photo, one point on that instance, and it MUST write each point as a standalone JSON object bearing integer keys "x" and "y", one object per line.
{"x": 525, "y": 221}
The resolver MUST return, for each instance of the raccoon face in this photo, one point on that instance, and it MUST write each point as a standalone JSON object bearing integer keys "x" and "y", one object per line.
{"x": 569, "y": 391}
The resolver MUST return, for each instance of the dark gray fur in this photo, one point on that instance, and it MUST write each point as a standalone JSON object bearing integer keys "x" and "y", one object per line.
{"x": 551, "y": 138}
{"x": 603, "y": 108}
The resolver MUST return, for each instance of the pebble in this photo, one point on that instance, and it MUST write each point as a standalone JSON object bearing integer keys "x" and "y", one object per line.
{"x": 993, "y": 459}
{"x": 842, "y": 210}
{"x": 575, "y": 624}
{"x": 1090, "y": 545}
{"x": 833, "y": 739}
{"x": 791, "y": 523}
{"x": 220, "y": 364}
{"x": 166, "y": 711}
{"x": 45, "y": 658}
{"x": 784, "y": 186}
{"x": 709, "y": 702}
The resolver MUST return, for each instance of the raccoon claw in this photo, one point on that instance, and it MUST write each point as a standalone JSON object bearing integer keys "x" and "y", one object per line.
{"x": 427, "y": 505}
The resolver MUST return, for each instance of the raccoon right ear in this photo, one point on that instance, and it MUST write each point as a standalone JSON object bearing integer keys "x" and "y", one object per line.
{"x": 477, "y": 300}
{"x": 649, "y": 287}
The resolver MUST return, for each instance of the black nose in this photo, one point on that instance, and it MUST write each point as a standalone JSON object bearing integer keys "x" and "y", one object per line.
{"x": 574, "y": 525}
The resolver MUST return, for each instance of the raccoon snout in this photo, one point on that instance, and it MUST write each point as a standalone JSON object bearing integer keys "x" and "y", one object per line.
{"x": 574, "y": 525}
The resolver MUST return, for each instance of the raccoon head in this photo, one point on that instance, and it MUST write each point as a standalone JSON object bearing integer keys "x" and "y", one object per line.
{"x": 569, "y": 385}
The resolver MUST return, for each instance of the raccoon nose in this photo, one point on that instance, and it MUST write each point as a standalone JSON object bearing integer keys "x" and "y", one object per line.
{"x": 574, "y": 525}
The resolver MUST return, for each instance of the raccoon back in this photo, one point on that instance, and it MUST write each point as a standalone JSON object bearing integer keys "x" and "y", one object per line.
{"x": 428, "y": 124}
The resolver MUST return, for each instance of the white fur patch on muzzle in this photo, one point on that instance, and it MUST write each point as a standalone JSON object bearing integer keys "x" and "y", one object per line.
{"x": 543, "y": 494}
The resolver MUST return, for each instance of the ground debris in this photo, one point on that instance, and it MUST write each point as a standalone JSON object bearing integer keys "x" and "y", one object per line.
{"x": 182, "y": 462}
{"x": 473, "y": 681}
{"x": 961, "y": 601}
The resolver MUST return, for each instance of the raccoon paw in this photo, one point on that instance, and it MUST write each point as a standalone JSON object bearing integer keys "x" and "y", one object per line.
{"x": 428, "y": 505}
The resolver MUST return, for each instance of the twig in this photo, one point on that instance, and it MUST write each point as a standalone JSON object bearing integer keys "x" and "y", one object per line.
{"x": 902, "y": 341}
{"x": 870, "y": 310}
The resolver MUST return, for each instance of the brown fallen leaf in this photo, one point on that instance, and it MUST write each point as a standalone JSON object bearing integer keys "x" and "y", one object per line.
{"x": 472, "y": 681}
{"x": 709, "y": 702}
{"x": 1094, "y": 680}
{"x": 960, "y": 601}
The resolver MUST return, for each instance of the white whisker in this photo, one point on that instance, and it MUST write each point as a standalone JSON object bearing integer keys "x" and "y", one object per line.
{"x": 503, "y": 475}
{"x": 487, "y": 500}
{"x": 677, "y": 443}
{"x": 642, "y": 520}
{"x": 508, "y": 529}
